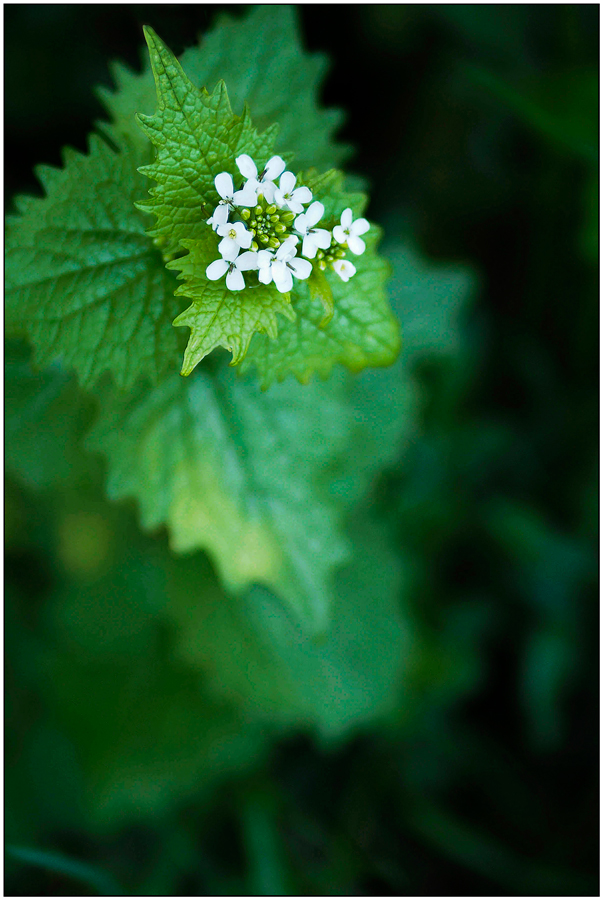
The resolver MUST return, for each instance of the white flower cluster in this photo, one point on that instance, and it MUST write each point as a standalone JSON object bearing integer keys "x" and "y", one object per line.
{"x": 262, "y": 226}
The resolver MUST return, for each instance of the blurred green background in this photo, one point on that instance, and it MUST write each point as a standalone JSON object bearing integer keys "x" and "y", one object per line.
{"x": 128, "y": 770}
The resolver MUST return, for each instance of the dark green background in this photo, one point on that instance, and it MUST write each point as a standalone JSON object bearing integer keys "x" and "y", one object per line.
{"x": 477, "y": 128}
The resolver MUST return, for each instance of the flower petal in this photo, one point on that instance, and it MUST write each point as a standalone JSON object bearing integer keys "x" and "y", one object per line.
{"x": 340, "y": 234}
{"x": 247, "y": 260}
{"x": 314, "y": 213}
{"x": 344, "y": 269}
{"x": 247, "y": 196}
{"x": 287, "y": 249}
{"x": 274, "y": 167}
{"x": 302, "y": 194}
{"x": 309, "y": 247}
{"x": 322, "y": 238}
{"x": 216, "y": 269}
{"x": 224, "y": 185}
{"x": 301, "y": 267}
{"x": 267, "y": 189}
{"x": 356, "y": 244}
{"x": 346, "y": 218}
{"x": 246, "y": 166}
{"x": 284, "y": 280}
{"x": 265, "y": 275}
{"x": 301, "y": 224}
{"x": 244, "y": 237}
{"x": 228, "y": 249}
{"x": 220, "y": 216}
{"x": 235, "y": 280}
{"x": 360, "y": 226}
{"x": 294, "y": 206}
{"x": 264, "y": 259}
{"x": 279, "y": 270}
{"x": 287, "y": 182}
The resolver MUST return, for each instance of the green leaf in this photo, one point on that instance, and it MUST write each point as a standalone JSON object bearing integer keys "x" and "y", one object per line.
{"x": 362, "y": 332}
{"x": 218, "y": 317}
{"x": 46, "y": 415}
{"x": 255, "y": 655}
{"x": 261, "y": 59}
{"x": 320, "y": 289}
{"x": 238, "y": 473}
{"x": 197, "y": 136}
{"x": 83, "y": 280}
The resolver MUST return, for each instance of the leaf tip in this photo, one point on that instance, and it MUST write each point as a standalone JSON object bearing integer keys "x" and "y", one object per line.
{"x": 150, "y": 35}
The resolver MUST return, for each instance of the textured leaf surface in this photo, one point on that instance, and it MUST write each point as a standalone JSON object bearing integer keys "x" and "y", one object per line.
{"x": 261, "y": 480}
{"x": 362, "y": 331}
{"x": 238, "y": 473}
{"x": 255, "y": 655}
{"x": 218, "y": 317}
{"x": 197, "y": 136}
{"x": 82, "y": 278}
{"x": 260, "y": 58}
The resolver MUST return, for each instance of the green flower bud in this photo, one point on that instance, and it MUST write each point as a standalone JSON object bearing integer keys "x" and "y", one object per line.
{"x": 280, "y": 228}
{"x": 287, "y": 217}
{"x": 274, "y": 243}
{"x": 264, "y": 238}
{"x": 254, "y": 246}
{"x": 271, "y": 209}
{"x": 275, "y": 218}
{"x": 245, "y": 213}
{"x": 258, "y": 210}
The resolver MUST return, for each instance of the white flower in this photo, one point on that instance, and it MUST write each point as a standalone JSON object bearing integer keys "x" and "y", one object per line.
{"x": 265, "y": 260}
{"x": 313, "y": 237}
{"x": 248, "y": 168}
{"x": 264, "y": 184}
{"x": 344, "y": 268}
{"x": 286, "y": 265}
{"x": 219, "y": 217}
{"x": 231, "y": 198}
{"x": 234, "y": 236}
{"x": 288, "y": 196}
{"x": 349, "y": 232}
{"x": 232, "y": 266}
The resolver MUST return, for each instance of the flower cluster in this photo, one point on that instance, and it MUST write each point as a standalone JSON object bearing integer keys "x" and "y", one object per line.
{"x": 264, "y": 225}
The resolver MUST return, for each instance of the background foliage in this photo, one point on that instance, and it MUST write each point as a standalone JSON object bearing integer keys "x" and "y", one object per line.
{"x": 444, "y": 742}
